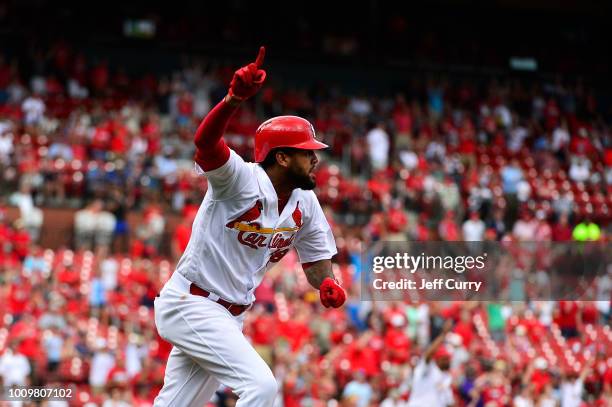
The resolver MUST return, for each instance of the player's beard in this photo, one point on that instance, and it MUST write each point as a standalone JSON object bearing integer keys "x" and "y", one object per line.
{"x": 302, "y": 180}
{"x": 444, "y": 364}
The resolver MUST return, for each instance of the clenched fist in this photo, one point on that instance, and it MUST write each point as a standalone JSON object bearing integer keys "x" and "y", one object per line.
{"x": 332, "y": 295}
{"x": 248, "y": 79}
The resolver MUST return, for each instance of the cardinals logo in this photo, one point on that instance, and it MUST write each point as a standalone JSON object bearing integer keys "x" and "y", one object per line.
{"x": 253, "y": 235}
{"x": 297, "y": 216}
{"x": 248, "y": 217}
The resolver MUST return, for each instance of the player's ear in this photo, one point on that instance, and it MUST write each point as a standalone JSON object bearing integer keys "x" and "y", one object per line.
{"x": 282, "y": 158}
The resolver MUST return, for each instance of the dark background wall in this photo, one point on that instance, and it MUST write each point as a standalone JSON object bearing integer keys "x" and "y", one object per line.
{"x": 566, "y": 37}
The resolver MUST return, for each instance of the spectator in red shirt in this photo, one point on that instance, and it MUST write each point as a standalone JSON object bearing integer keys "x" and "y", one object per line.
{"x": 19, "y": 297}
{"x": 402, "y": 119}
{"x": 264, "y": 294}
{"x": 465, "y": 329}
{"x": 263, "y": 327}
{"x": 296, "y": 330}
{"x": 184, "y": 108}
{"x": 421, "y": 232}
{"x": 363, "y": 355}
{"x": 118, "y": 375}
{"x": 567, "y": 316}
{"x": 589, "y": 313}
{"x": 26, "y": 332}
{"x": 67, "y": 275}
{"x": 562, "y": 231}
{"x": 493, "y": 387}
{"x": 396, "y": 221}
{"x": 448, "y": 228}
{"x": 397, "y": 343}
{"x": 539, "y": 375}
{"x": 535, "y": 329}
{"x": 21, "y": 240}
{"x": 99, "y": 78}
{"x": 141, "y": 397}
{"x": 581, "y": 145}
{"x": 181, "y": 236}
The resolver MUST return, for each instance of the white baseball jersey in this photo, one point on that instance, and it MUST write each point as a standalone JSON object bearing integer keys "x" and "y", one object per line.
{"x": 430, "y": 386}
{"x": 238, "y": 233}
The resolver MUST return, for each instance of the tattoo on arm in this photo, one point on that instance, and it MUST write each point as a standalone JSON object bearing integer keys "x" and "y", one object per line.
{"x": 317, "y": 271}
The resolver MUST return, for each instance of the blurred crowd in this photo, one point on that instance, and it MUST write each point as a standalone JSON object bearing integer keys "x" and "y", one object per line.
{"x": 443, "y": 159}
{"x": 74, "y": 318}
{"x": 454, "y": 160}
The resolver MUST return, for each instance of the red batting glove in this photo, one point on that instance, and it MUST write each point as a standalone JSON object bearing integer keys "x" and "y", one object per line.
{"x": 332, "y": 295}
{"x": 248, "y": 79}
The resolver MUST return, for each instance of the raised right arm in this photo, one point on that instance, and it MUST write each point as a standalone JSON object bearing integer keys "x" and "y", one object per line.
{"x": 211, "y": 150}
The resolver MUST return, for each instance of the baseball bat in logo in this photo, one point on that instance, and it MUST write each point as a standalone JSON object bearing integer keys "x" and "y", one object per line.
{"x": 248, "y": 217}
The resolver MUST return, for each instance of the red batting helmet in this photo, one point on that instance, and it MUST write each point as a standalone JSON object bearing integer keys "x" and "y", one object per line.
{"x": 285, "y": 131}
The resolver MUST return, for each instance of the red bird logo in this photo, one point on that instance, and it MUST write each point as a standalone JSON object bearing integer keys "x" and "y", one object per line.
{"x": 297, "y": 215}
{"x": 247, "y": 217}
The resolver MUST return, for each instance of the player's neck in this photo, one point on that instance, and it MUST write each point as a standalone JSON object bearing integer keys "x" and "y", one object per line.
{"x": 281, "y": 185}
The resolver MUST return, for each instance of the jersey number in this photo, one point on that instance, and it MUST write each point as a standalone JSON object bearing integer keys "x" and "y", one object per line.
{"x": 277, "y": 255}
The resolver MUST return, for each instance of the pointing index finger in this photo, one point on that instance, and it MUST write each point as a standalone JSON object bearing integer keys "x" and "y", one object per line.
{"x": 260, "y": 56}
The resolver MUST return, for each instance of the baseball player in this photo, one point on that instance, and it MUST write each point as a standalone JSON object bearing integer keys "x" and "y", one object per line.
{"x": 251, "y": 216}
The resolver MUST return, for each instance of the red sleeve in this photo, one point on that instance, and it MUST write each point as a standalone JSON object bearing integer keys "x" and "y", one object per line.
{"x": 211, "y": 150}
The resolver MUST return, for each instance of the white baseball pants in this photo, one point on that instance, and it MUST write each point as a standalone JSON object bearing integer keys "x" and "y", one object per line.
{"x": 209, "y": 349}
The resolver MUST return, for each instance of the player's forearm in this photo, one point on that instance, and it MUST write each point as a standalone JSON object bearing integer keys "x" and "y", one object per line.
{"x": 429, "y": 352}
{"x": 317, "y": 271}
{"x": 212, "y": 152}
{"x": 214, "y": 124}
{"x": 433, "y": 346}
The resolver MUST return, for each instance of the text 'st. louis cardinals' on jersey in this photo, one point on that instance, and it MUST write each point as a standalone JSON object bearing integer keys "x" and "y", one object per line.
{"x": 238, "y": 233}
